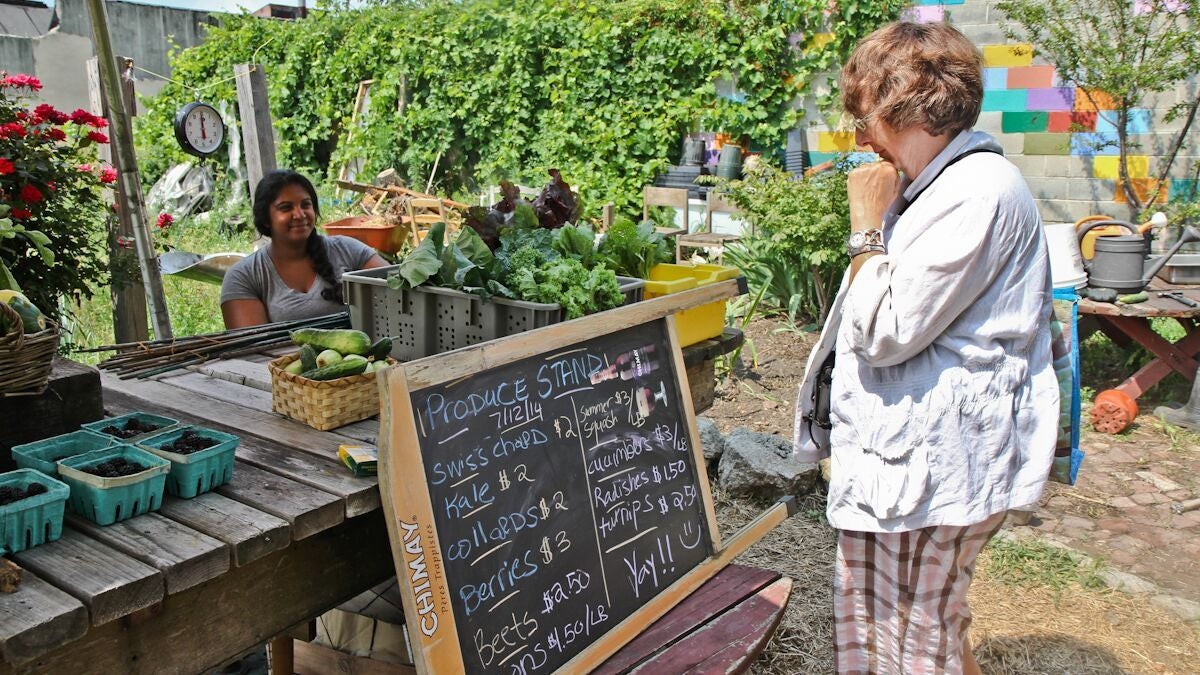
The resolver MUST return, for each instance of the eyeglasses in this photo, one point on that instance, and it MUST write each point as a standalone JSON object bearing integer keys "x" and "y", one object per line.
{"x": 858, "y": 123}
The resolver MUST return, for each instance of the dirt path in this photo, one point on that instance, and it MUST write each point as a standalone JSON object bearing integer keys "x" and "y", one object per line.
{"x": 1054, "y": 621}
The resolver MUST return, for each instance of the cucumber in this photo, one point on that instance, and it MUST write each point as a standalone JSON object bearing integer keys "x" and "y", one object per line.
{"x": 380, "y": 349}
{"x": 308, "y": 356}
{"x": 328, "y": 358}
{"x": 341, "y": 340}
{"x": 1133, "y": 298}
{"x": 340, "y": 369}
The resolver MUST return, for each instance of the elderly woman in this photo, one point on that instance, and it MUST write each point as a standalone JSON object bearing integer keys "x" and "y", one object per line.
{"x": 943, "y": 407}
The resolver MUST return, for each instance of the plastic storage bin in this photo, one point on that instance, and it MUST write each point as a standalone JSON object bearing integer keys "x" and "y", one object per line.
{"x": 699, "y": 323}
{"x": 34, "y": 520}
{"x": 44, "y": 455}
{"x": 197, "y": 472}
{"x": 428, "y": 320}
{"x": 162, "y": 424}
{"x": 105, "y": 501}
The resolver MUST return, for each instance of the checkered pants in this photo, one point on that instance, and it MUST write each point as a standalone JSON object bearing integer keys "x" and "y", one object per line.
{"x": 900, "y": 599}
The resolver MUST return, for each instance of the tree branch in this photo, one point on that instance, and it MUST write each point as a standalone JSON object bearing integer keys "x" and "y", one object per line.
{"x": 1175, "y": 147}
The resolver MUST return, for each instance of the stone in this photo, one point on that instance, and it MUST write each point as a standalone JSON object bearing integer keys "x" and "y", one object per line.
{"x": 1148, "y": 498}
{"x": 1125, "y": 582}
{"x": 761, "y": 465}
{"x": 1187, "y": 610}
{"x": 1121, "y": 502}
{"x": 1114, "y": 525}
{"x": 1075, "y": 523}
{"x": 711, "y": 441}
{"x": 1160, "y": 482}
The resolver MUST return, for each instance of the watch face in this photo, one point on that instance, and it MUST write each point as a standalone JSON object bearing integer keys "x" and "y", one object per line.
{"x": 857, "y": 239}
{"x": 199, "y": 129}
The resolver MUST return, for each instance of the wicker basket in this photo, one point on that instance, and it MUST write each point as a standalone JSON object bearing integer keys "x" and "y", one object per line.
{"x": 322, "y": 405}
{"x": 25, "y": 360}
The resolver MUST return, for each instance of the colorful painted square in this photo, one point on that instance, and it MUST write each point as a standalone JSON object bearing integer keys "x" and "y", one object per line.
{"x": 1138, "y": 123}
{"x": 1052, "y": 98}
{"x": 1144, "y": 188}
{"x": 1010, "y": 56}
{"x": 995, "y": 79}
{"x": 924, "y": 14}
{"x": 1023, "y": 122}
{"x": 1108, "y": 167}
{"x": 1008, "y": 100}
{"x": 1065, "y": 122}
{"x": 1031, "y": 77}
{"x": 1093, "y": 99}
{"x": 1047, "y": 144}
{"x": 815, "y": 158}
{"x": 1093, "y": 143}
{"x": 835, "y": 141}
{"x": 1185, "y": 189}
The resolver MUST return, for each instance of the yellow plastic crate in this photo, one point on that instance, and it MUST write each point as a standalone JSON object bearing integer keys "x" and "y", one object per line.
{"x": 699, "y": 323}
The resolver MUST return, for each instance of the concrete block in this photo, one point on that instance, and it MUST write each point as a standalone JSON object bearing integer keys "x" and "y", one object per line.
{"x": 968, "y": 14}
{"x": 1047, "y": 188}
{"x": 1069, "y": 211}
{"x": 1009, "y": 100}
{"x": 987, "y": 34}
{"x": 1047, "y": 144}
{"x": 1031, "y": 166}
{"x": 1061, "y": 166}
{"x": 1013, "y": 144}
{"x": 1090, "y": 189}
{"x": 991, "y": 122}
{"x": 1024, "y": 122}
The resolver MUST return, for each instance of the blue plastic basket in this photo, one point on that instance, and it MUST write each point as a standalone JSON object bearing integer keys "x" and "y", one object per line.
{"x": 163, "y": 424}
{"x": 197, "y": 472}
{"x": 44, "y": 455}
{"x": 105, "y": 501}
{"x": 34, "y": 520}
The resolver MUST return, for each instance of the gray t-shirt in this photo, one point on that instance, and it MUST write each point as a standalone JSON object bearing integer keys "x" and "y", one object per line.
{"x": 255, "y": 278}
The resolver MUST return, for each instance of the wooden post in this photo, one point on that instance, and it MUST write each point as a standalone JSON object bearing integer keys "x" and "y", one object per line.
{"x": 129, "y": 300}
{"x": 254, "y": 109}
{"x": 128, "y": 182}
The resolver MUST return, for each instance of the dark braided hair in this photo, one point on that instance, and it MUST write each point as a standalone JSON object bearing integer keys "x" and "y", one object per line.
{"x": 265, "y": 194}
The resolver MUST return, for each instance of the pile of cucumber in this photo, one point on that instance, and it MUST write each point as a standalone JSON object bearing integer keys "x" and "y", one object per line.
{"x": 327, "y": 354}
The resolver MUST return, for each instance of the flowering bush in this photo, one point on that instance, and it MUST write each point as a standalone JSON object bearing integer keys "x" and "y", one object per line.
{"x": 51, "y": 213}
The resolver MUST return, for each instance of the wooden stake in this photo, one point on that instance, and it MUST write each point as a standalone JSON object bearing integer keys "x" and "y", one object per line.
{"x": 254, "y": 109}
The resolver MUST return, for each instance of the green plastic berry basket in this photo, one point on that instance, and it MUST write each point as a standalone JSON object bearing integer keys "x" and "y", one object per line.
{"x": 34, "y": 520}
{"x": 197, "y": 472}
{"x": 44, "y": 455}
{"x": 105, "y": 501}
{"x": 161, "y": 423}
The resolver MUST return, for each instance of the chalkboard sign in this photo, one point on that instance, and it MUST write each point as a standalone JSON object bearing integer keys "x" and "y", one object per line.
{"x": 536, "y": 505}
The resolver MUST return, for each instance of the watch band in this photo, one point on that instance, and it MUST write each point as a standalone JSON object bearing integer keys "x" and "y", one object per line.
{"x": 869, "y": 248}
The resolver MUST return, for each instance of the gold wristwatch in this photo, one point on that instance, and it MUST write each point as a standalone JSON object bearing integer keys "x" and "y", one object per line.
{"x": 864, "y": 241}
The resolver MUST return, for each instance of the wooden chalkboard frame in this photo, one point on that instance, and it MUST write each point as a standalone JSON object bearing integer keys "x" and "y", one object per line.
{"x": 408, "y": 506}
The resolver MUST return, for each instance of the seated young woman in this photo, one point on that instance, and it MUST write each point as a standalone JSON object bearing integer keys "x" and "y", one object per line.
{"x": 299, "y": 274}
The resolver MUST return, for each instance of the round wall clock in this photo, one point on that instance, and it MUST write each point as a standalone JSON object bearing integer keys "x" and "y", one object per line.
{"x": 199, "y": 129}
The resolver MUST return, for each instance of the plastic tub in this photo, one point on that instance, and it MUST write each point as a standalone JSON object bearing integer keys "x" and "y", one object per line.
{"x": 34, "y": 520}
{"x": 381, "y": 236}
{"x": 428, "y": 320}
{"x": 105, "y": 501}
{"x": 44, "y": 455}
{"x": 699, "y": 323}
{"x": 197, "y": 472}
{"x": 162, "y": 423}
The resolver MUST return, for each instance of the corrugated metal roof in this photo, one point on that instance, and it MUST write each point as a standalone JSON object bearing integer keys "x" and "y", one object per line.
{"x": 25, "y": 20}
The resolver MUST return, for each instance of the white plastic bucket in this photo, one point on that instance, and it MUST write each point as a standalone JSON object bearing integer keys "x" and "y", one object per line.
{"x": 1066, "y": 262}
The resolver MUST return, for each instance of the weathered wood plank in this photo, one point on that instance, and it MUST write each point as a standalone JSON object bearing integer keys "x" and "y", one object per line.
{"x": 184, "y": 556}
{"x": 729, "y": 587}
{"x": 314, "y": 465}
{"x": 366, "y": 431}
{"x": 108, "y": 582}
{"x": 237, "y": 419}
{"x": 238, "y": 371}
{"x": 250, "y": 533}
{"x": 731, "y": 642}
{"x": 307, "y": 510}
{"x": 204, "y": 626}
{"x": 37, "y": 618}
{"x": 314, "y": 659}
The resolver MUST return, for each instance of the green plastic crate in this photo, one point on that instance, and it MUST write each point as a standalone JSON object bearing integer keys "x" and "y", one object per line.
{"x": 44, "y": 455}
{"x": 105, "y": 501}
{"x": 197, "y": 472}
{"x": 35, "y": 520}
{"x": 163, "y": 423}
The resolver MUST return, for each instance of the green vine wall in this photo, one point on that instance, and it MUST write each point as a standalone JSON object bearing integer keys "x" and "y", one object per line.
{"x": 507, "y": 89}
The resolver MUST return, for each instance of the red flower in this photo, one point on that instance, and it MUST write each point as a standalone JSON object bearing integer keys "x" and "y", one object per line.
{"x": 30, "y": 194}
{"x": 48, "y": 113}
{"x": 12, "y": 129}
{"x": 21, "y": 80}
{"x": 97, "y": 122}
{"x": 6, "y": 166}
{"x": 108, "y": 175}
{"x": 86, "y": 168}
{"x": 21, "y": 214}
{"x": 164, "y": 220}
{"x": 57, "y": 134}
{"x": 81, "y": 116}
{"x": 97, "y": 136}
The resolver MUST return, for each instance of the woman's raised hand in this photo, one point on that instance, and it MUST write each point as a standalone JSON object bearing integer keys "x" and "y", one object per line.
{"x": 872, "y": 187}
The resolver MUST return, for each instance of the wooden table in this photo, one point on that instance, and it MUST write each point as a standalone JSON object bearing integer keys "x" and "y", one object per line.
{"x": 292, "y": 535}
{"x": 1127, "y": 324}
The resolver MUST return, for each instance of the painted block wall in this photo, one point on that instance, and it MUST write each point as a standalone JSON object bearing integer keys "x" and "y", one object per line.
{"x": 1061, "y": 137}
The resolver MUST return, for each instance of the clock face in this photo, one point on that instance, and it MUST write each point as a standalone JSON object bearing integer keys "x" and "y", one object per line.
{"x": 199, "y": 129}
